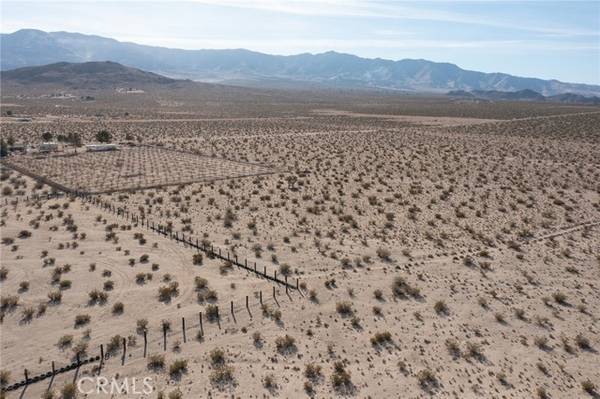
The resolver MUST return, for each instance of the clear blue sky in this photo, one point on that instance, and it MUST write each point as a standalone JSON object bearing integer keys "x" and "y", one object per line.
{"x": 559, "y": 40}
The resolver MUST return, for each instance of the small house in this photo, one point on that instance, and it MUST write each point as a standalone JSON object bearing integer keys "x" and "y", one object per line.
{"x": 48, "y": 147}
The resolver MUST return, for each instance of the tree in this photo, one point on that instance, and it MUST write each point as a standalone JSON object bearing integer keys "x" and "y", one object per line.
{"x": 76, "y": 140}
{"x": 3, "y": 148}
{"x": 104, "y": 136}
{"x": 47, "y": 136}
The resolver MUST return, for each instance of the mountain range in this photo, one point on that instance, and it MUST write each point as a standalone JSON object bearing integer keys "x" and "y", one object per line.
{"x": 30, "y": 47}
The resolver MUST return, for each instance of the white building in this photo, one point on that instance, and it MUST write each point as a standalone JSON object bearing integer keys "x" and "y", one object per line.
{"x": 48, "y": 147}
{"x": 101, "y": 147}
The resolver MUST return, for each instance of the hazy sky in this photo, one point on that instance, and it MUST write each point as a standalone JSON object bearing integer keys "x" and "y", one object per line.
{"x": 559, "y": 40}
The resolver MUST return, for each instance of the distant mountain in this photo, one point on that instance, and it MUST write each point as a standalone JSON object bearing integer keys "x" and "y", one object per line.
{"x": 94, "y": 75}
{"x": 30, "y": 47}
{"x": 523, "y": 95}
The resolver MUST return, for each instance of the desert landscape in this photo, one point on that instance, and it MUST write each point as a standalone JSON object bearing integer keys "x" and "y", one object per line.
{"x": 432, "y": 247}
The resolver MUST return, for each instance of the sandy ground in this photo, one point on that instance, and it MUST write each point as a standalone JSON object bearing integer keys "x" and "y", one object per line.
{"x": 456, "y": 260}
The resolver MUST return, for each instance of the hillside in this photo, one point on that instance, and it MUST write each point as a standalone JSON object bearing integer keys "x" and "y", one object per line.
{"x": 30, "y": 47}
{"x": 83, "y": 75}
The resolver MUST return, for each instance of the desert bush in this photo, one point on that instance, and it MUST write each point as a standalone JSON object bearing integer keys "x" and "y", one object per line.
{"x": 589, "y": 387}
{"x": 560, "y": 298}
{"x": 177, "y": 368}
{"x": 285, "y": 269}
{"x": 156, "y": 362}
{"x": 176, "y": 394}
{"x": 474, "y": 350}
{"x": 257, "y": 338}
{"x": 24, "y": 286}
{"x": 200, "y": 283}
{"x": 384, "y": 254}
{"x": 217, "y": 357}
{"x": 8, "y": 302}
{"x": 81, "y": 320}
{"x": 97, "y": 297}
{"x": 427, "y": 379}
{"x": 222, "y": 375}
{"x": 269, "y": 381}
{"x": 114, "y": 344}
{"x": 401, "y": 289}
{"x": 440, "y": 307}
{"x": 341, "y": 379}
{"x": 65, "y": 284}
{"x": 65, "y": 341}
{"x": 312, "y": 371}
{"x": 285, "y": 344}
{"x": 41, "y": 309}
{"x": 4, "y": 378}
{"x": 541, "y": 342}
{"x": 141, "y": 326}
{"x": 212, "y": 312}
{"x": 80, "y": 348}
{"x": 583, "y": 342}
{"x": 166, "y": 292}
{"x": 23, "y": 234}
{"x": 381, "y": 338}
{"x": 55, "y": 297}
{"x": 378, "y": 294}
{"x": 69, "y": 391}
{"x": 344, "y": 308}
{"x": 453, "y": 347}
{"x": 118, "y": 308}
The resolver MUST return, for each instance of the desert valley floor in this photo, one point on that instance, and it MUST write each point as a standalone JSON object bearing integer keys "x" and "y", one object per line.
{"x": 442, "y": 249}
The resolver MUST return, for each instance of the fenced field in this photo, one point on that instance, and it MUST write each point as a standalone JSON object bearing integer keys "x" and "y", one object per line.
{"x": 130, "y": 168}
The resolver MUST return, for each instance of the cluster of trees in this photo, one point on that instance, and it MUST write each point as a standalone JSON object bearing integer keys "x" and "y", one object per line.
{"x": 103, "y": 136}
{"x": 71, "y": 138}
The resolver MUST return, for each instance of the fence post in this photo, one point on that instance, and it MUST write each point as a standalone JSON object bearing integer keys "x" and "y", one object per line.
{"x": 274, "y": 292}
{"x": 145, "y": 342}
{"x": 124, "y": 350}
{"x": 260, "y": 296}
{"x": 297, "y": 284}
{"x": 101, "y": 354}
{"x": 183, "y": 328}
{"x": 164, "y": 337}
{"x": 286, "y": 285}
{"x": 201, "y": 328}
{"x": 233, "y": 314}
{"x": 275, "y": 276}
{"x": 246, "y": 301}
{"x": 53, "y": 368}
